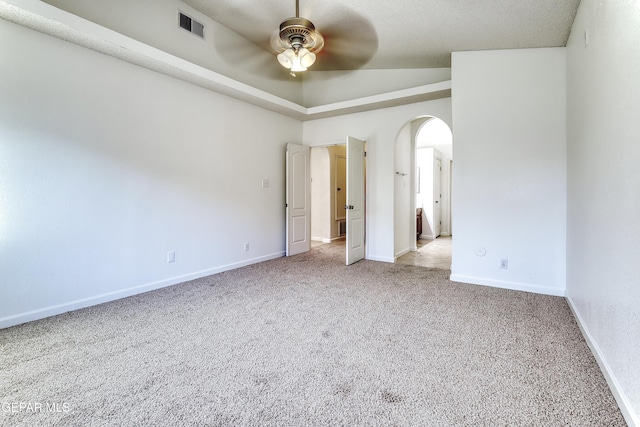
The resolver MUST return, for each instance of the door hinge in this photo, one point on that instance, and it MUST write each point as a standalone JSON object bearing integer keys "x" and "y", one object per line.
{"x": 286, "y": 205}
{"x": 365, "y": 154}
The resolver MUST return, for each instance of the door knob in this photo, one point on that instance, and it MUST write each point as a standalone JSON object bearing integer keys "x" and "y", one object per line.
{"x": 348, "y": 206}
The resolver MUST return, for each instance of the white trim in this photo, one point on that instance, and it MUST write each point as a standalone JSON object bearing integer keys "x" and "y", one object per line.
{"x": 325, "y": 240}
{"x": 333, "y": 239}
{"x": 29, "y": 316}
{"x": 402, "y": 252}
{"x": 623, "y": 402}
{"x": 380, "y": 258}
{"x": 389, "y": 99}
{"x": 516, "y": 286}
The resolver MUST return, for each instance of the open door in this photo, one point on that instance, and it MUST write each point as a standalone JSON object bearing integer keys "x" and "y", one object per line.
{"x": 355, "y": 200}
{"x": 298, "y": 200}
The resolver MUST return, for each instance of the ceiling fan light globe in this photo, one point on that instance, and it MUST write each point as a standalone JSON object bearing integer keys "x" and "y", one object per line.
{"x": 297, "y": 65}
{"x": 307, "y": 58}
{"x": 287, "y": 58}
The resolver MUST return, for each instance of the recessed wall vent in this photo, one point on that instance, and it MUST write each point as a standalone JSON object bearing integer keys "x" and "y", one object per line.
{"x": 191, "y": 25}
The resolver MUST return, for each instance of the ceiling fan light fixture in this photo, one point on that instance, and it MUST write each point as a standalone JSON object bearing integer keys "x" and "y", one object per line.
{"x": 296, "y": 59}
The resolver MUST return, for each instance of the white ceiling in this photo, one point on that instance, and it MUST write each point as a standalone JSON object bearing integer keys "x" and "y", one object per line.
{"x": 402, "y": 33}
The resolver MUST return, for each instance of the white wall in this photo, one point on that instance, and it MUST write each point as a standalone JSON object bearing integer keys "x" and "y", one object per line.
{"x": 320, "y": 193}
{"x": 603, "y": 230}
{"x": 107, "y": 166}
{"x": 509, "y": 181}
{"x": 379, "y": 128}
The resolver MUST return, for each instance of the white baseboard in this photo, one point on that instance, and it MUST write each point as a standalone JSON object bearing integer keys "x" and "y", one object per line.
{"x": 516, "y": 286}
{"x": 632, "y": 419}
{"x": 402, "y": 252}
{"x": 380, "y": 258}
{"x": 325, "y": 240}
{"x": 29, "y": 316}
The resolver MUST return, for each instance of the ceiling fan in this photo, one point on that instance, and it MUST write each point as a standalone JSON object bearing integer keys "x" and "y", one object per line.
{"x": 348, "y": 41}
{"x": 297, "y": 42}
{"x": 344, "y": 40}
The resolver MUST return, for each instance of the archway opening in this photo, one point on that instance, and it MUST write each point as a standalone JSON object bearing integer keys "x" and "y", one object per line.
{"x": 419, "y": 135}
{"x": 434, "y": 150}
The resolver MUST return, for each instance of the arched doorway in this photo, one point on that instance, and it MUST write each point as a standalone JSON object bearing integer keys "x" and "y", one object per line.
{"x": 434, "y": 148}
{"x": 424, "y": 132}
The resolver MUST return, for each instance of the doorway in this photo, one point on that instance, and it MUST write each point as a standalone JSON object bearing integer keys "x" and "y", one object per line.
{"x": 423, "y": 139}
{"x": 435, "y": 140}
{"x": 328, "y": 193}
{"x": 337, "y": 196}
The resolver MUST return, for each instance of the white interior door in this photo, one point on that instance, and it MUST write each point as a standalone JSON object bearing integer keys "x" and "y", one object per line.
{"x": 298, "y": 203}
{"x": 355, "y": 200}
{"x": 437, "y": 197}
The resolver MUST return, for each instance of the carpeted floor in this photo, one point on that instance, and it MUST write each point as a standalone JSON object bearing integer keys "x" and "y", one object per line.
{"x": 307, "y": 341}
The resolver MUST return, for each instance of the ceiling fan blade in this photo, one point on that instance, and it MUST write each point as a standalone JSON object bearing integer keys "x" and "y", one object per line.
{"x": 350, "y": 41}
{"x": 276, "y": 44}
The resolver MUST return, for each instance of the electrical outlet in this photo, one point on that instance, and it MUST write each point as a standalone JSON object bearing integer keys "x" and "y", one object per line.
{"x": 504, "y": 263}
{"x": 171, "y": 256}
{"x": 246, "y": 247}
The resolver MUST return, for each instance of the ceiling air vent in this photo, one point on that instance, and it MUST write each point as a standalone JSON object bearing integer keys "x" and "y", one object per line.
{"x": 191, "y": 25}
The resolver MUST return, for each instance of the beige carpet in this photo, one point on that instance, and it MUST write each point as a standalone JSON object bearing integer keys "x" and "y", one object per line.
{"x": 307, "y": 341}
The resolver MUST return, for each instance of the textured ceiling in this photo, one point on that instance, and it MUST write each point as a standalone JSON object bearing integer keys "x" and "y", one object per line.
{"x": 402, "y": 33}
